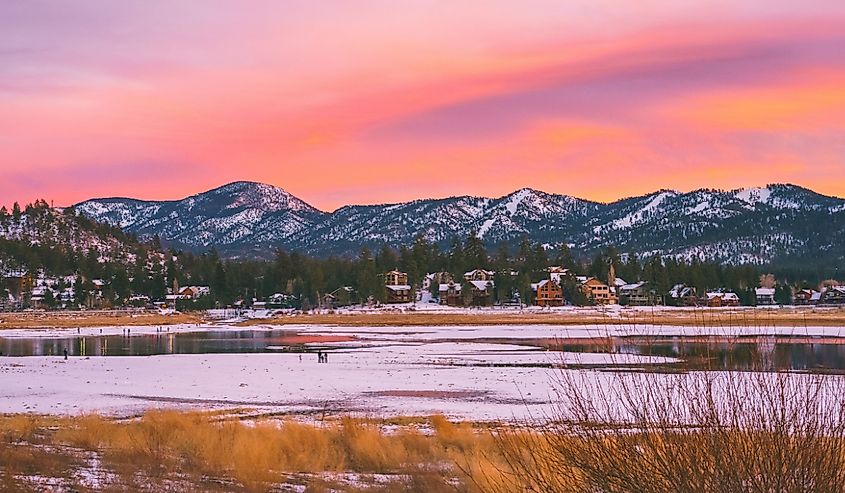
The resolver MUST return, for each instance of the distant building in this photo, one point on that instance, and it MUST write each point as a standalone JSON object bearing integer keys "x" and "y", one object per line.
{"x": 833, "y": 295}
{"x": 281, "y": 300}
{"x": 481, "y": 292}
{"x": 807, "y": 297}
{"x": 547, "y": 292}
{"x": 450, "y": 294}
{"x": 396, "y": 287}
{"x": 598, "y": 292}
{"x": 683, "y": 295}
{"x": 638, "y": 294}
{"x": 765, "y": 296}
{"x": 479, "y": 275}
{"x": 718, "y": 299}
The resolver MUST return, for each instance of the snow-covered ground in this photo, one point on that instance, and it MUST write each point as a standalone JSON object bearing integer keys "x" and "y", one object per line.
{"x": 385, "y": 371}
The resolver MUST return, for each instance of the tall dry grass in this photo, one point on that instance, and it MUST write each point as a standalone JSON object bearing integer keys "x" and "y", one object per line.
{"x": 257, "y": 456}
{"x": 712, "y": 431}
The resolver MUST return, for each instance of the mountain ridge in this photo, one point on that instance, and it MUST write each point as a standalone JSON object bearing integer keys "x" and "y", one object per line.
{"x": 251, "y": 219}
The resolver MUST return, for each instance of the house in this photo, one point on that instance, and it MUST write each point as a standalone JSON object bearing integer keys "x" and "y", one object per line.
{"x": 547, "y": 293}
{"x": 194, "y": 292}
{"x": 450, "y": 294}
{"x": 480, "y": 275}
{"x": 765, "y": 296}
{"x": 718, "y": 299}
{"x": 395, "y": 278}
{"x": 638, "y": 294}
{"x": 340, "y": 297}
{"x": 683, "y": 295}
{"x": 481, "y": 293}
{"x": 834, "y": 295}
{"x": 396, "y": 287}
{"x": 597, "y": 291}
{"x": 807, "y": 297}
{"x": 281, "y": 300}
{"x": 38, "y": 295}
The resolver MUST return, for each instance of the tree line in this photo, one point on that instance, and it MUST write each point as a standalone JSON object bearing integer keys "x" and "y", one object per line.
{"x": 145, "y": 268}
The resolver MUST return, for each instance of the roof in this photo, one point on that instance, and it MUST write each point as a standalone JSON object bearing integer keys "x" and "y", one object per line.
{"x": 481, "y": 285}
{"x": 398, "y": 287}
{"x": 445, "y": 287}
{"x": 537, "y": 285}
{"x": 725, "y": 296}
{"x": 765, "y": 291}
{"x": 473, "y": 271}
{"x": 636, "y": 285}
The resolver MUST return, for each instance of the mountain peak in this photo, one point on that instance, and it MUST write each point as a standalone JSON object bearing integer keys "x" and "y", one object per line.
{"x": 246, "y": 218}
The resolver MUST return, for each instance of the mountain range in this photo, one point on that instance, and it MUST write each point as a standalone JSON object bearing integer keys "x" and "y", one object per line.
{"x": 249, "y": 220}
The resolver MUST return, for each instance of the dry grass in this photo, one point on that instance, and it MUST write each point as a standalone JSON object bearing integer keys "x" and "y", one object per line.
{"x": 754, "y": 431}
{"x": 710, "y": 317}
{"x": 207, "y": 451}
{"x": 100, "y": 318}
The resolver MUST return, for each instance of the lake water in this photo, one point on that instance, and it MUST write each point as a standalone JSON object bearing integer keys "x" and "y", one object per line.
{"x": 695, "y": 355}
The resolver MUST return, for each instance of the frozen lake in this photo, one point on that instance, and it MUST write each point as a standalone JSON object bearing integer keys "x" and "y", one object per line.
{"x": 470, "y": 372}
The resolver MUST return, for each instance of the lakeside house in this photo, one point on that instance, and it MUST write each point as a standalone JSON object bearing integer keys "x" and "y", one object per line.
{"x": 683, "y": 295}
{"x": 639, "y": 294}
{"x": 598, "y": 292}
{"x": 450, "y": 294}
{"x": 719, "y": 298}
{"x": 833, "y": 295}
{"x": 547, "y": 292}
{"x": 765, "y": 296}
{"x": 807, "y": 297}
{"x": 481, "y": 293}
{"x": 397, "y": 289}
{"x": 479, "y": 275}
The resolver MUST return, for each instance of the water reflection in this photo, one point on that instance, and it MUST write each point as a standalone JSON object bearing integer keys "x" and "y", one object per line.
{"x": 782, "y": 353}
{"x": 764, "y": 353}
{"x": 244, "y": 341}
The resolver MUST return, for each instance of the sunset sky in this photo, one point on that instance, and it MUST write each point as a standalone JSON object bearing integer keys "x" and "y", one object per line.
{"x": 378, "y": 101}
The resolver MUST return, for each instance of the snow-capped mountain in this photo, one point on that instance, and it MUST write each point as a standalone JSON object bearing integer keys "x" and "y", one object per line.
{"x": 739, "y": 226}
{"x": 237, "y": 218}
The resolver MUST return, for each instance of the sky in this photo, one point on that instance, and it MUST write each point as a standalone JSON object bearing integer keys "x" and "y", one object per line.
{"x": 379, "y": 101}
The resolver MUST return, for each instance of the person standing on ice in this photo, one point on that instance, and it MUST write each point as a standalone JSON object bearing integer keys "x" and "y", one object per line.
{"x": 65, "y": 353}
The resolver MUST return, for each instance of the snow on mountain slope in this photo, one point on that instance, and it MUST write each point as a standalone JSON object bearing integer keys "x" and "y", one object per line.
{"x": 251, "y": 219}
{"x": 232, "y": 217}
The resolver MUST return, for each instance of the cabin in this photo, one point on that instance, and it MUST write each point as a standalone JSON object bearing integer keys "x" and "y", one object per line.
{"x": 281, "y": 300}
{"x": 598, "y": 292}
{"x": 194, "y": 292}
{"x": 683, "y": 295}
{"x": 547, "y": 293}
{"x": 449, "y": 294}
{"x": 481, "y": 293}
{"x": 397, "y": 289}
{"x": 638, "y": 294}
{"x": 479, "y": 275}
{"x": 765, "y": 296}
{"x": 719, "y": 299}
{"x": 807, "y": 297}
{"x": 834, "y": 295}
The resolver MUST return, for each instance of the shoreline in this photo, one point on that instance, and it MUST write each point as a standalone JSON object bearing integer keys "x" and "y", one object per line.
{"x": 407, "y": 316}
